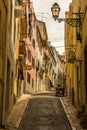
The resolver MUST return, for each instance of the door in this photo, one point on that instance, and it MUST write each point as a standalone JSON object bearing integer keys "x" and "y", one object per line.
{"x": 85, "y": 66}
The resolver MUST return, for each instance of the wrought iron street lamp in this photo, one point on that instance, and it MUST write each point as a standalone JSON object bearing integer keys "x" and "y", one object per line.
{"x": 55, "y": 11}
{"x": 74, "y": 22}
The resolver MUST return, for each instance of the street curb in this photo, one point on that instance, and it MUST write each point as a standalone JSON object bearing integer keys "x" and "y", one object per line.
{"x": 67, "y": 114}
{"x": 16, "y": 114}
{"x": 19, "y": 120}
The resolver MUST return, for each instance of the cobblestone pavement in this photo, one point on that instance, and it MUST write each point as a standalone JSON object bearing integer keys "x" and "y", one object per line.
{"x": 44, "y": 112}
{"x": 18, "y": 110}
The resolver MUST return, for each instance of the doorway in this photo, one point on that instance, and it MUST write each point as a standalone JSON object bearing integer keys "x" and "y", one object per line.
{"x": 85, "y": 71}
{"x": 7, "y": 87}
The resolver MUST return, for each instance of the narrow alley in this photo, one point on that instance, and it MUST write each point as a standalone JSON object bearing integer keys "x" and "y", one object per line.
{"x": 43, "y": 65}
{"x": 44, "y": 111}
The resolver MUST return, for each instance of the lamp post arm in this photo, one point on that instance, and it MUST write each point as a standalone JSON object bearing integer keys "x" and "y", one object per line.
{"x": 74, "y": 22}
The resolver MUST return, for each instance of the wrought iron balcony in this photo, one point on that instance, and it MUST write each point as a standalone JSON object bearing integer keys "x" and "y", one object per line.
{"x": 18, "y": 9}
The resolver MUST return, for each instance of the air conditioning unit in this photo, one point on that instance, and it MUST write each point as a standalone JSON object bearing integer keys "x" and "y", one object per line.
{"x": 71, "y": 56}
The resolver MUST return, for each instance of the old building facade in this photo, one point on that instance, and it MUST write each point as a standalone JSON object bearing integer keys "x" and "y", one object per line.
{"x": 76, "y": 63}
{"x": 30, "y": 53}
{"x": 9, "y": 61}
{"x": 7, "y": 55}
{"x": 41, "y": 45}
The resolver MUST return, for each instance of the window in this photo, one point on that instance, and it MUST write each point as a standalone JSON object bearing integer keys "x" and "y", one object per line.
{"x": 11, "y": 9}
{"x": 18, "y": 29}
{"x": 33, "y": 62}
{"x": 0, "y": 22}
{"x": 28, "y": 78}
{"x": 30, "y": 24}
{"x": 32, "y": 83}
{"x": 29, "y": 55}
{"x": 18, "y": 2}
{"x": 11, "y": 82}
{"x": 33, "y": 43}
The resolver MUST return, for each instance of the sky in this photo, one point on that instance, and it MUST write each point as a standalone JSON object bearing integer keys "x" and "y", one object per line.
{"x": 55, "y": 30}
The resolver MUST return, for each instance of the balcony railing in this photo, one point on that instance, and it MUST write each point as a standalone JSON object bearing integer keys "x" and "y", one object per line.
{"x": 21, "y": 48}
{"x": 18, "y": 8}
{"x": 71, "y": 57}
{"x": 23, "y": 29}
{"x": 18, "y": 2}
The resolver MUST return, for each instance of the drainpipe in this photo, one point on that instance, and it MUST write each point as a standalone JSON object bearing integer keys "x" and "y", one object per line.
{"x": 3, "y": 82}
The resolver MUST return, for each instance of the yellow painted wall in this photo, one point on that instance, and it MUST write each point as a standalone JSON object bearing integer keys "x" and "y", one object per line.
{"x": 84, "y": 44}
{"x": 2, "y": 52}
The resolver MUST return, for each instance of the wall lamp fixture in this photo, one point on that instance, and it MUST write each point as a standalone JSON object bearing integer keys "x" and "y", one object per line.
{"x": 74, "y": 22}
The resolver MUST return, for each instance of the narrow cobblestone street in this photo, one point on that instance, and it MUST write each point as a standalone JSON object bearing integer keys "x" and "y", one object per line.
{"x": 43, "y": 65}
{"x": 44, "y": 112}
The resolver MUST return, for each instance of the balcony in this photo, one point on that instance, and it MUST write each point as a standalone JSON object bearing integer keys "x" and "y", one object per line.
{"x": 44, "y": 56}
{"x": 71, "y": 56}
{"x": 18, "y": 9}
{"x": 28, "y": 67}
{"x": 23, "y": 28}
{"x": 43, "y": 67}
{"x": 40, "y": 73}
{"x": 18, "y": 2}
{"x": 37, "y": 64}
{"x": 21, "y": 48}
